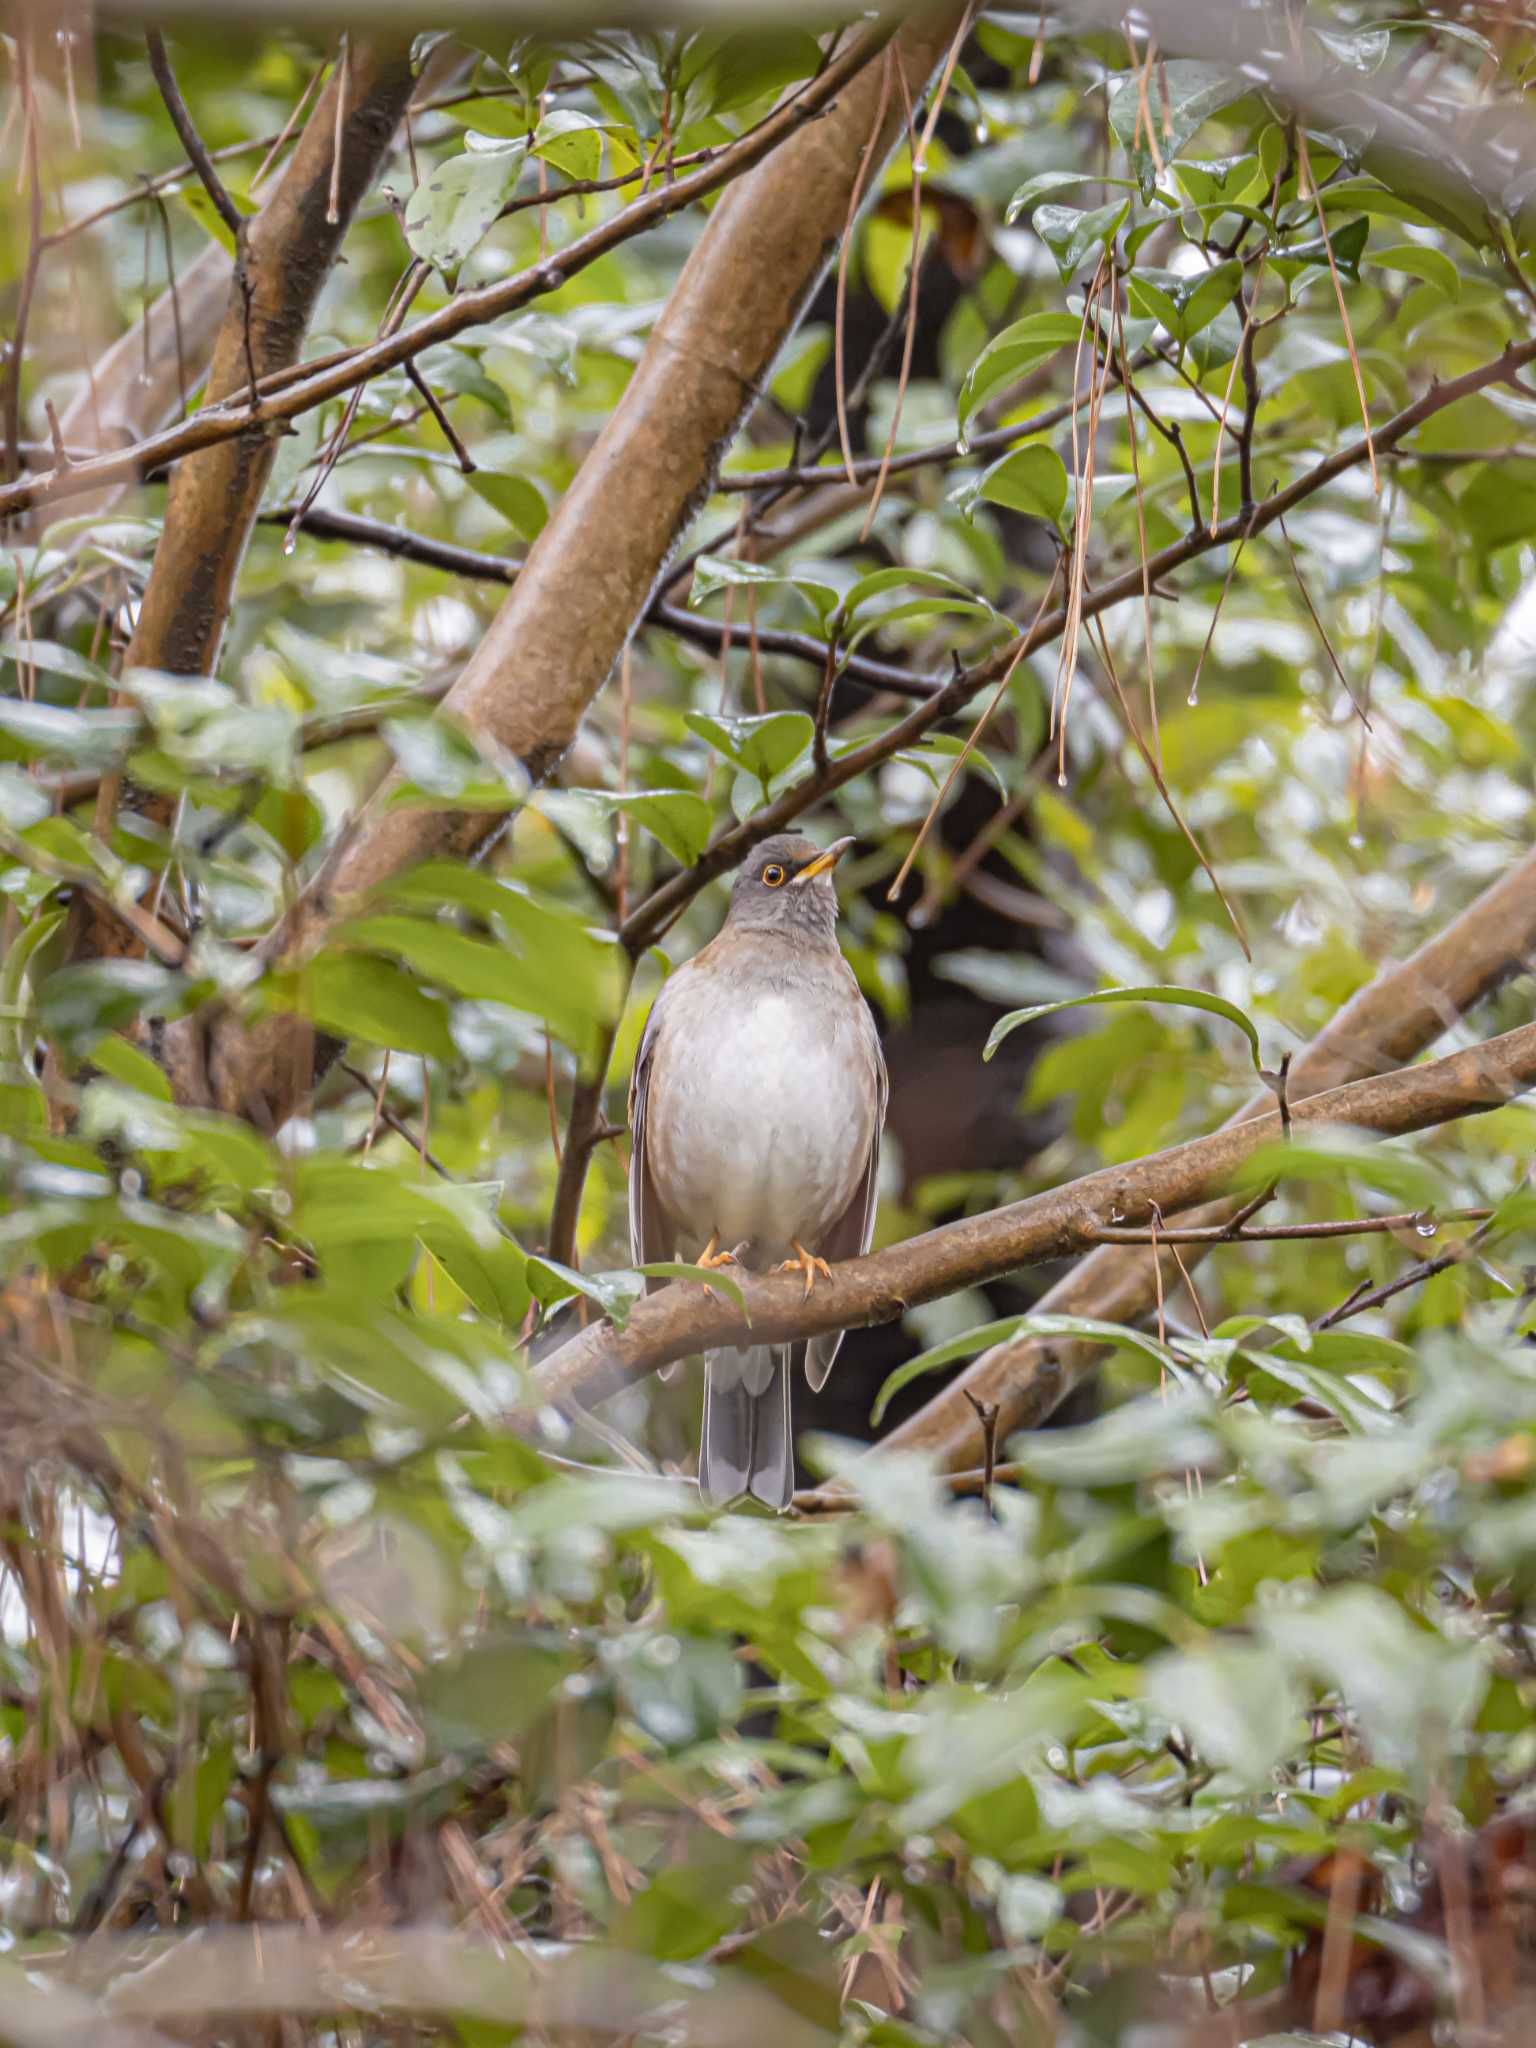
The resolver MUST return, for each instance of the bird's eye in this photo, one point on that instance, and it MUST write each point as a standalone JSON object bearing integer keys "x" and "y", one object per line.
{"x": 773, "y": 874}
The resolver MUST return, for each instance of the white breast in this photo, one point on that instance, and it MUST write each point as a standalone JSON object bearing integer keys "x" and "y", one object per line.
{"x": 760, "y": 1114}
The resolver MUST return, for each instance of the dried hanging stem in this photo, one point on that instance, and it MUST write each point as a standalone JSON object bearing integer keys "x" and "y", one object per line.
{"x": 1164, "y": 791}
{"x": 914, "y": 269}
{"x": 1082, "y": 511}
{"x": 1226, "y": 397}
{"x": 839, "y": 317}
{"x": 920, "y": 158}
{"x": 1025, "y": 640}
{"x": 1141, "y": 519}
{"x": 1304, "y": 180}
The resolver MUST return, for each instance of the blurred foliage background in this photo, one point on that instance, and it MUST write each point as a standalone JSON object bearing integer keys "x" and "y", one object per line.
{"x": 1213, "y": 1726}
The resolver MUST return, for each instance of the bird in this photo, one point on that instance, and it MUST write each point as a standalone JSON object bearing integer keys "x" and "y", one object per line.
{"x": 755, "y": 1111}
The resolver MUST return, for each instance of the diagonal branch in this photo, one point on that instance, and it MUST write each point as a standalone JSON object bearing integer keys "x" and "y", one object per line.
{"x": 683, "y": 1318}
{"x": 186, "y": 129}
{"x": 1406, "y": 1008}
{"x": 285, "y": 395}
{"x": 653, "y": 916}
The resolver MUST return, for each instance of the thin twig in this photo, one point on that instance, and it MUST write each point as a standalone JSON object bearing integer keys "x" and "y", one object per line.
{"x": 1322, "y": 631}
{"x": 986, "y": 1415}
{"x": 461, "y": 454}
{"x": 415, "y": 1139}
{"x": 976, "y": 731}
{"x": 1164, "y": 791}
{"x": 191, "y": 141}
{"x": 1342, "y": 1226}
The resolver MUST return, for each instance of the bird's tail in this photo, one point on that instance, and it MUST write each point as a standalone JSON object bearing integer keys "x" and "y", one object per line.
{"x": 746, "y": 1445}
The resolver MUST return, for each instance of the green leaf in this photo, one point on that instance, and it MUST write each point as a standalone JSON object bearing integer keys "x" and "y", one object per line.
{"x": 1342, "y": 1156}
{"x": 707, "y": 1276}
{"x": 1418, "y": 259}
{"x": 561, "y": 970}
{"x": 85, "y": 739}
{"x": 492, "y": 1692}
{"x": 208, "y": 217}
{"x": 937, "y": 1355}
{"x": 1072, "y": 237}
{"x": 1032, "y": 479}
{"x": 1186, "y": 998}
{"x": 519, "y": 501}
{"x": 358, "y": 995}
{"x": 1012, "y": 354}
{"x": 1217, "y": 182}
{"x": 615, "y": 1293}
{"x": 679, "y": 818}
{"x": 571, "y": 141}
{"x": 688, "y": 1905}
{"x": 19, "y": 954}
{"x": 51, "y": 657}
{"x": 763, "y": 747}
{"x": 714, "y": 573}
{"x": 1180, "y": 97}
{"x": 1056, "y": 181}
{"x": 1183, "y": 303}
{"x": 1239, "y": 1711}
{"x": 123, "y": 1061}
{"x": 1044, "y": 1323}
{"x": 471, "y": 967}
{"x": 1348, "y": 245}
{"x": 456, "y": 202}
{"x": 733, "y": 68}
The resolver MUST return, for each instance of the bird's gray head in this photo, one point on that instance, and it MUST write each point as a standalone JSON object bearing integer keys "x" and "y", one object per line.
{"x": 786, "y": 885}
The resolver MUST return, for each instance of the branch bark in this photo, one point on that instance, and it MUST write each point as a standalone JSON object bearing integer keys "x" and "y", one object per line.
{"x": 284, "y": 256}
{"x": 589, "y": 577}
{"x": 289, "y": 249}
{"x": 1404, "y": 1009}
{"x": 683, "y": 1318}
{"x": 136, "y": 384}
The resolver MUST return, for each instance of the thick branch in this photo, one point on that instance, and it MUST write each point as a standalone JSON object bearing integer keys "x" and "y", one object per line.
{"x": 684, "y": 625}
{"x": 1404, "y": 1009}
{"x": 682, "y": 1318}
{"x": 288, "y": 252}
{"x": 590, "y": 575}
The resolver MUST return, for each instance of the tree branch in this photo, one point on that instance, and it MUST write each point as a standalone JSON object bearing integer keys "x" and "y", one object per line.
{"x": 186, "y": 129}
{"x": 1406, "y": 1008}
{"x": 313, "y": 383}
{"x": 682, "y": 1318}
{"x": 659, "y": 910}
{"x": 670, "y": 618}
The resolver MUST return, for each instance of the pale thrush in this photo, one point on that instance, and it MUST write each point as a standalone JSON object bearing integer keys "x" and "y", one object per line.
{"x": 756, "y": 1106}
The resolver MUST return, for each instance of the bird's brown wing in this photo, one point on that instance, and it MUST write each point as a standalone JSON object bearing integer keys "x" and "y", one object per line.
{"x": 650, "y": 1233}
{"x": 851, "y": 1234}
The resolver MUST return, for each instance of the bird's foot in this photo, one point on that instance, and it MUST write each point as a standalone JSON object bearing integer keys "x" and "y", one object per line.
{"x": 712, "y": 1258}
{"x": 805, "y": 1262}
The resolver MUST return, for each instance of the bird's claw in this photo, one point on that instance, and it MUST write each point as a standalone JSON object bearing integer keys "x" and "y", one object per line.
{"x": 713, "y": 1258}
{"x": 807, "y": 1263}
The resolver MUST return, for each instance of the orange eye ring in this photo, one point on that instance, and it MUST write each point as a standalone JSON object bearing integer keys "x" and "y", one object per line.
{"x": 773, "y": 875}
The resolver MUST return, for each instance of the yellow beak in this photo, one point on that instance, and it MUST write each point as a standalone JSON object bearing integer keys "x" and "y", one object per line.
{"x": 823, "y": 861}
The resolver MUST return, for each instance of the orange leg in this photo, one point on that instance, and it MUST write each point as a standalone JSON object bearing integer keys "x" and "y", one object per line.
{"x": 713, "y": 1256}
{"x": 805, "y": 1262}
